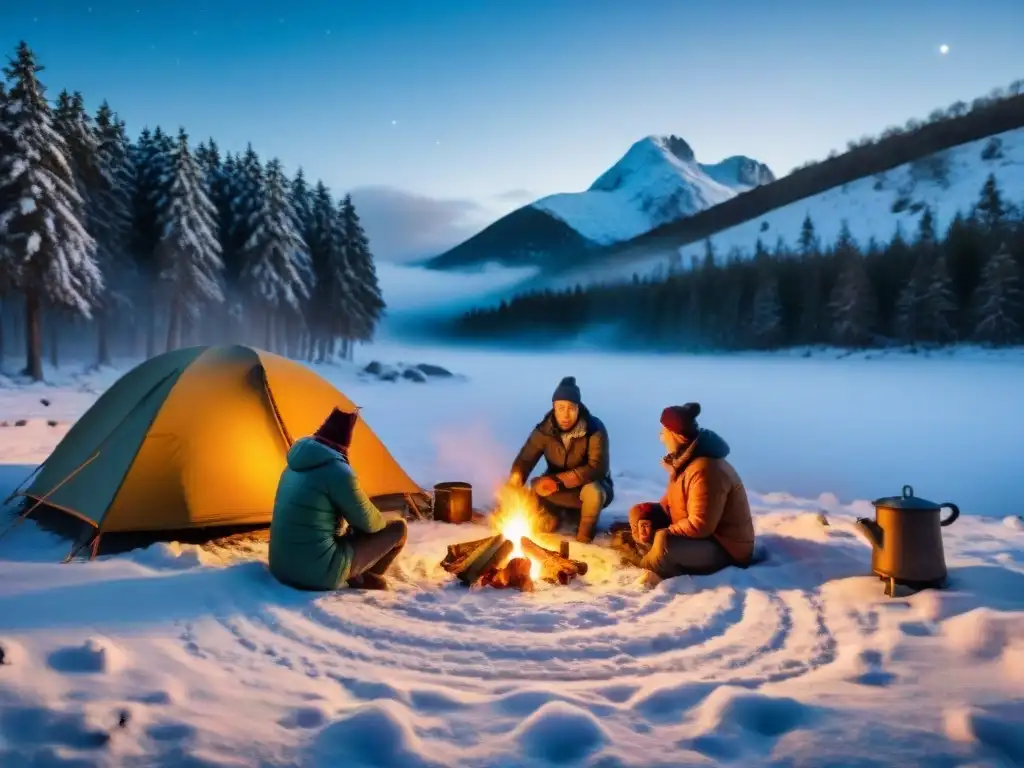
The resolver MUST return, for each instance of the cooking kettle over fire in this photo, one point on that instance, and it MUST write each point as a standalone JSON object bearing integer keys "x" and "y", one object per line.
{"x": 906, "y": 540}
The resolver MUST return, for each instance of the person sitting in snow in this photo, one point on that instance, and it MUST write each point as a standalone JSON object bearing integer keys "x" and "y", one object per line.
{"x": 574, "y": 443}
{"x": 703, "y": 522}
{"x": 325, "y": 532}
{"x": 634, "y": 539}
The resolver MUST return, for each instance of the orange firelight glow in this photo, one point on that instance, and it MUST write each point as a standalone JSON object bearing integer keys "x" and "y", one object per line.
{"x": 514, "y": 518}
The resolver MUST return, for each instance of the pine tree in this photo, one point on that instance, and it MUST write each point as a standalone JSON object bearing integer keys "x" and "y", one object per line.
{"x": 333, "y": 304}
{"x": 7, "y": 271}
{"x": 999, "y": 305}
{"x": 812, "y": 300}
{"x": 223, "y": 191}
{"x": 151, "y": 163}
{"x": 365, "y": 288}
{"x": 766, "y": 319}
{"x": 277, "y": 270}
{"x": 808, "y": 242}
{"x": 852, "y": 303}
{"x": 990, "y": 208}
{"x": 247, "y": 188}
{"x": 47, "y": 238}
{"x": 302, "y": 203}
{"x": 110, "y": 216}
{"x": 926, "y": 304}
{"x": 190, "y": 264}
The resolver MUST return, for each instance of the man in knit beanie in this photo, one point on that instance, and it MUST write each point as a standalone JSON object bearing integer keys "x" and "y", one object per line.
{"x": 574, "y": 444}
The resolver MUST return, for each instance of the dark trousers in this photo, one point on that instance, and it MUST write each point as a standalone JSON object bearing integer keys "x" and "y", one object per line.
{"x": 375, "y": 552}
{"x": 584, "y": 503}
{"x": 671, "y": 555}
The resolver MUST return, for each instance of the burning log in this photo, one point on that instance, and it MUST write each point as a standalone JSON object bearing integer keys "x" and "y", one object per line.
{"x": 491, "y": 553}
{"x": 554, "y": 567}
{"x": 457, "y": 552}
{"x": 515, "y": 575}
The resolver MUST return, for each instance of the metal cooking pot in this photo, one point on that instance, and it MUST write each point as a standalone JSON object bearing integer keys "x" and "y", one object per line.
{"x": 906, "y": 540}
{"x": 453, "y": 502}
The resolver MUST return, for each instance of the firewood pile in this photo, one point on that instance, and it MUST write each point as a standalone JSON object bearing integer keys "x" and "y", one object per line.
{"x": 494, "y": 562}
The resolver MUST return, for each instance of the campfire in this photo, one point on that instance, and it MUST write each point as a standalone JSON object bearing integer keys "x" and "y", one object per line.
{"x": 511, "y": 558}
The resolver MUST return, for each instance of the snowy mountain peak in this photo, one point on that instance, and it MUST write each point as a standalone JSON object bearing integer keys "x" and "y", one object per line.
{"x": 658, "y": 180}
{"x": 740, "y": 171}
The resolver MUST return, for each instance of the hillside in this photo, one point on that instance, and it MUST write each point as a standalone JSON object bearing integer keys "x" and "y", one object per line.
{"x": 524, "y": 237}
{"x": 872, "y": 207}
{"x": 657, "y": 181}
{"x": 902, "y": 158}
{"x": 988, "y": 116}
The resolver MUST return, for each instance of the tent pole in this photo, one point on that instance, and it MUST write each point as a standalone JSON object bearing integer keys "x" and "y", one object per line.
{"x": 42, "y": 499}
{"x": 76, "y": 548}
{"x": 22, "y": 484}
{"x": 413, "y": 506}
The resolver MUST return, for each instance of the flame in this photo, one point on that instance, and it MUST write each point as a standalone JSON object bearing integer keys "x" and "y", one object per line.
{"x": 514, "y": 519}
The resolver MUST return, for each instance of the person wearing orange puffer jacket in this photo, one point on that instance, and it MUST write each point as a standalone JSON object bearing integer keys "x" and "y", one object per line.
{"x": 709, "y": 526}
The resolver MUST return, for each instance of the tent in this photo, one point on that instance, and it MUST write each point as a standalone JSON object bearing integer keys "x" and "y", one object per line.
{"x": 196, "y": 438}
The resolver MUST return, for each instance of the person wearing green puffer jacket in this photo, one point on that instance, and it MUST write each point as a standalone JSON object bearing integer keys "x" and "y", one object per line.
{"x": 325, "y": 532}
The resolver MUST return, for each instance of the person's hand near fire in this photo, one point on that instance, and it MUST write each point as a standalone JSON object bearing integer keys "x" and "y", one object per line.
{"x": 542, "y": 486}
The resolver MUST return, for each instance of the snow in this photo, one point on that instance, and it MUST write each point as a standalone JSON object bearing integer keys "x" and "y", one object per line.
{"x": 656, "y": 181}
{"x": 867, "y": 210}
{"x": 194, "y": 655}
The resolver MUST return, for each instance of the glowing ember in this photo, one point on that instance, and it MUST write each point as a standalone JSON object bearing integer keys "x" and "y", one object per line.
{"x": 514, "y": 519}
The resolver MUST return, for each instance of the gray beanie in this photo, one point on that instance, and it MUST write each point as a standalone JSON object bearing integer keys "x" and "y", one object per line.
{"x": 567, "y": 390}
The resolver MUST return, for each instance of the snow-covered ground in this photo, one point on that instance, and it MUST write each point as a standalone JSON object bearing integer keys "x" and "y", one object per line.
{"x": 797, "y": 661}
{"x": 656, "y": 181}
{"x": 866, "y": 205}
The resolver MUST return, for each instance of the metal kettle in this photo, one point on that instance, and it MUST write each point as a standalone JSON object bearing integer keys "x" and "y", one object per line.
{"x": 906, "y": 540}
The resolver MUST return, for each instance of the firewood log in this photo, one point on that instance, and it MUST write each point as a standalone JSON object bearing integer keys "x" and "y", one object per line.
{"x": 515, "y": 575}
{"x": 457, "y": 552}
{"x": 554, "y": 567}
{"x": 491, "y": 554}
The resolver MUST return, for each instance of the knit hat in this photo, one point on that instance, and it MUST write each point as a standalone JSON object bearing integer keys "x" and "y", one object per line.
{"x": 567, "y": 390}
{"x": 681, "y": 419}
{"x": 652, "y": 512}
{"x": 336, "y": 431}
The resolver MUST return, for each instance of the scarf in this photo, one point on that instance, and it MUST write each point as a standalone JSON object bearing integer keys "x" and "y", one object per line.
{"x": 578, "y": 430}
{"x": 682, "y": 456}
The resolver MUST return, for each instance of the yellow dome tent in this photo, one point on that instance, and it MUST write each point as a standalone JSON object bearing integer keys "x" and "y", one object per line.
{"x": 196, "y": 438}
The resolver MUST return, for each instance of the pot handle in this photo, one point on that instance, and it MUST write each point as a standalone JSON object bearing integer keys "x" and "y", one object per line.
{"x": 954, "y": 511}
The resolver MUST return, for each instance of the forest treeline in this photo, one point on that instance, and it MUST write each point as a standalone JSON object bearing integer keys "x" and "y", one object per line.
{"x": 922, "y": 288}
{"x": 140, "y": 246}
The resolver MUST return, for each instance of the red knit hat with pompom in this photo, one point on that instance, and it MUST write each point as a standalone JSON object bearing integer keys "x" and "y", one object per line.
{"x": 336, "y": 431}
{"x": 681, "y": 419}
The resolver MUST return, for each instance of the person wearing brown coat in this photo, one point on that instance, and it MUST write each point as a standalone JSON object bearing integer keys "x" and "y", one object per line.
{"x": 705, "y": 506}
{"x": 574, "y": 444}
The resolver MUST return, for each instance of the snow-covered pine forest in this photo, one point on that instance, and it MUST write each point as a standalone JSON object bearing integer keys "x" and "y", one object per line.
{"x": 134, "y": 247}
{"x": 924, "y": 288}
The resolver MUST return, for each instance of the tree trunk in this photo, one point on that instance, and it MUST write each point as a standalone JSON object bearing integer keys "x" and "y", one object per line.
{"x": 54, "y": 340}
{"x": 3, "y": 306}
{"x": 33, "y": 336}
{"x": 102, "y": 338}
{"x": 173, "y": 326}
{"x": 151, "y": 323}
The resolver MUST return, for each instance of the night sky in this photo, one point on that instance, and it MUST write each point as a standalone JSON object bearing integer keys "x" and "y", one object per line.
{"x": 456, "y": 110}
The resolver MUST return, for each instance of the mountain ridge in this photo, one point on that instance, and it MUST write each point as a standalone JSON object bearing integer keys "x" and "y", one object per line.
{"x": 888, "y": 152}
{"x": 657, "y": 180}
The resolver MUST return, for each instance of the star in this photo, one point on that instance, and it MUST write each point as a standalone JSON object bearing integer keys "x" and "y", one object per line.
{"x": 943, "y": 49}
